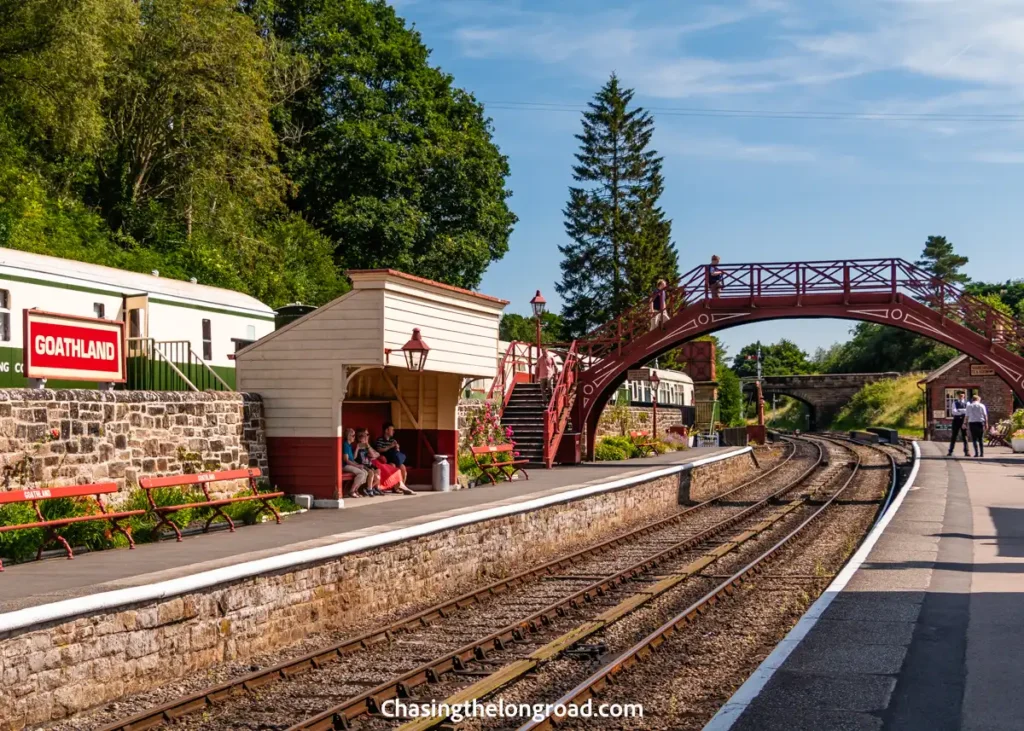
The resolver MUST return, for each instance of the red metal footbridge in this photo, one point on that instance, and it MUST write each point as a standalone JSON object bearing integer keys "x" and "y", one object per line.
{"x": 885, "y": 291}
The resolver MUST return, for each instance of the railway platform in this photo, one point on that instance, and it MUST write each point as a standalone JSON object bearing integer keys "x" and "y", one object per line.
{"x": 53, "y": 580}
{"x": 928, "y": 630}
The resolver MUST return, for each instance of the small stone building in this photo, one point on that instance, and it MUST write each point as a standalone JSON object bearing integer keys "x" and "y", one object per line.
{"x": 963, "y": 373}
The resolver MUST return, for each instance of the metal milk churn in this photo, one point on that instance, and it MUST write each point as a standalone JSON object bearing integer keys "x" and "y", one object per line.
{"x": 441, "y": 471}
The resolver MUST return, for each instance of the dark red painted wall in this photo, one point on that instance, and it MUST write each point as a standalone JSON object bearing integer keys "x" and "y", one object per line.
{"x": 306, "y": 465}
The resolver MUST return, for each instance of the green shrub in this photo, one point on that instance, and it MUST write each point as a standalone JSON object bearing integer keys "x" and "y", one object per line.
{"x": 608, "y": 453}
{"x": 468, "y": 466}
{"x": 624, "y": 444}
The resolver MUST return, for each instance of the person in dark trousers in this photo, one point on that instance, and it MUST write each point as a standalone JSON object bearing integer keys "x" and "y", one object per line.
{"x": 715, "y": 277}
{"x": 659, "y": 305}
{"x": 959, "y": 412}
{"x": 388, "y": 448}
{"x": 977, "y": 422}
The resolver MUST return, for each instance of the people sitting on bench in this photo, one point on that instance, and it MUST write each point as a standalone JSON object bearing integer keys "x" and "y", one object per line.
{"x": 387, "y": 446}
{"x": 364, "y": 481}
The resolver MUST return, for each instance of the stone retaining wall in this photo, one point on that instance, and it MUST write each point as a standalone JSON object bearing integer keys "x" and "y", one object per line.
{"x": 52, "y": 672}
{"x": 66, "y": 437}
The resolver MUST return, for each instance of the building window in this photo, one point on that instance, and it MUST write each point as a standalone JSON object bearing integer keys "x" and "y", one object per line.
{"x": 5, "y": 316}
{"x": 950, "y": 397}
{"x": 99, "y": 310}
{"x": 207, "y": 340}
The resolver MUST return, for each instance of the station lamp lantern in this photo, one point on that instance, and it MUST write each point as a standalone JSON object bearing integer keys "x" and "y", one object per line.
{"x": 540, "y": 306}
{"x": 655, "y": 380}
{"x": 415, "y": 352}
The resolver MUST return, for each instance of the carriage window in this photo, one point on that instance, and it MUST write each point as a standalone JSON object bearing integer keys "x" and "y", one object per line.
{"x": 207, "y": 340}
{"x": 99, "y": 310}
{"x": 250, "y": 332}
{"x": 5, "y": 315}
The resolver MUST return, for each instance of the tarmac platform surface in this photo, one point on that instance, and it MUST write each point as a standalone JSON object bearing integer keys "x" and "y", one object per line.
{"x": 55, "y": 579}
{"x": 929, "y": 632}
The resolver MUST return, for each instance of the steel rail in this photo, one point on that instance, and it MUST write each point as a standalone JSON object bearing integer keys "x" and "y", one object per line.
{"x": 645, "y": 648}
{"x": 159, "y": 715}
{"x": 370, "y": 701}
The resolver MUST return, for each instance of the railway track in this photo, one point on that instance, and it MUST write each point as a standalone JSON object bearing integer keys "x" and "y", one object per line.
{"x": 513, "y": 607}
{"x": 533, "y": 622}
{"x": 495, "y": 637}
{"x": 655, "y": 667}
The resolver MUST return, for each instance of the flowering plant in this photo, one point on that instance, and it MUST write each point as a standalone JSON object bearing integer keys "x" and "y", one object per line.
{"x": 485, "y": 428}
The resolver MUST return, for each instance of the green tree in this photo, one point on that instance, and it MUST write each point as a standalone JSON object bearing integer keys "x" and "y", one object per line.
{"x": 620, "y": 239}
{"x": 524, "y": 329}
{"x": 730, "y": 397}
{"x": 878, "y": 348}
{"x": 1010, "y": 292}
{"x": 784, "y": 358}
{"x": 939, "y": 259}
{"x": 391, "y": 161}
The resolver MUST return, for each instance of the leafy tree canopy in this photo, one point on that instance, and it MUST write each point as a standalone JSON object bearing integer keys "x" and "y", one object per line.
{"x": 524, "y": 329}
{"x": 256, "y": 145}
{"x": 784, "y": 358}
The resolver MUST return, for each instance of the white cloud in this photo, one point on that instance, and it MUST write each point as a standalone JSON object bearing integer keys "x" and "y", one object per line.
{"x": 999, "y": 157}
{"x": 729, "y": 148}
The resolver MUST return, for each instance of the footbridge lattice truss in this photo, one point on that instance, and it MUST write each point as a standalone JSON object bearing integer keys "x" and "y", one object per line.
{"x": 885, "y": 291}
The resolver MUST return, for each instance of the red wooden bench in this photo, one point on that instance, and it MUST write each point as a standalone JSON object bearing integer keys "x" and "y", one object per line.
{"x": 490, "y": 469}
{"x": 642, "y": 441}
{"x": 203, "y": 480}
{"x": 94, "y": 491}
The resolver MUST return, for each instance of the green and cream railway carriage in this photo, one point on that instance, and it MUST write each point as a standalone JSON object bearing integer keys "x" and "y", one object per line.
{"x": 180, "y": 334}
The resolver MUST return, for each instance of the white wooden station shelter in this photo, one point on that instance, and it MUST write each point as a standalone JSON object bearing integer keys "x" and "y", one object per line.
{"x": 342, "y": 365}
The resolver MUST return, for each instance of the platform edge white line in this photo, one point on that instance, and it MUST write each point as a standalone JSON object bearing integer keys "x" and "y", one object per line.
{"x": 70, "y": 608}
{"x": 729, "y": 713}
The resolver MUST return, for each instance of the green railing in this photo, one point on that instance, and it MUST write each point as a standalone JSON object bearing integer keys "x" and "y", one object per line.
{"x": 169, "y": 365}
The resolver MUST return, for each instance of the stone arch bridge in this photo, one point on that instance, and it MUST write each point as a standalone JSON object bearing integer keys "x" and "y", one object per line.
{"x": 824, "y": 395}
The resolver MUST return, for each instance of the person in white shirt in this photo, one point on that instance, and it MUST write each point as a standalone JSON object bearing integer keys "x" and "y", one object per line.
{"x": 977, "y": 422}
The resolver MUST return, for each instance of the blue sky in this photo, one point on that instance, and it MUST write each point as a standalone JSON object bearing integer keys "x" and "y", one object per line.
{"x": 760, "y": 189}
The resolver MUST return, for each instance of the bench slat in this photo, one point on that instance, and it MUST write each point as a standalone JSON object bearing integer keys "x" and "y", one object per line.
{"x": 216, "y": 503}
{"x": 149, "y": 483}
{"x": 68, "y": 521}
{"x": 49, "y": 493}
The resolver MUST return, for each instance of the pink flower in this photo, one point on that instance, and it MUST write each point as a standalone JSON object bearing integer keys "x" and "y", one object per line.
{"x": 54, "y": 433}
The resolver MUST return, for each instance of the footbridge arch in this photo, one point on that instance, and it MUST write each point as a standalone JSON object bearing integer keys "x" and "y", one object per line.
{"x": 884, "y": 291}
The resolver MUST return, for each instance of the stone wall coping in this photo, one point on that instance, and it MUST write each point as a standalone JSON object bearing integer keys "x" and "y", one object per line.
{"x": 105, "y": 601}
{"x": 729, "y": 713}
{"x": 122, "y": 397}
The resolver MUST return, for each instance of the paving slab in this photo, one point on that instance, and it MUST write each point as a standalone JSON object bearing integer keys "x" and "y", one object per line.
{"x": 929, "y": 633}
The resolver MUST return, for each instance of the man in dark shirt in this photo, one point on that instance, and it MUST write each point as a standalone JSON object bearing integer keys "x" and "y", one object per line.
{"x": 387, "y": 446}
{"x": 958, "y": 411}
{"x": 716, "y": 277}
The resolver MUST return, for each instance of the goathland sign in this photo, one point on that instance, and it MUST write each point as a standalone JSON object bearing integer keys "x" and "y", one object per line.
{"x": 73, "y": 348}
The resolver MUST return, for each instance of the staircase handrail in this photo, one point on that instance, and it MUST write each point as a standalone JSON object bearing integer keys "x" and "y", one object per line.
{"x": 891, "y": 276}
{"x": 517, "y": 353}
{"x": 556, "y": 416}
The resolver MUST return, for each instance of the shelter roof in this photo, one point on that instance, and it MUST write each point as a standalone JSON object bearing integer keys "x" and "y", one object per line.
{"x": 939, "y": 372}
{"x": 362, "y": 275}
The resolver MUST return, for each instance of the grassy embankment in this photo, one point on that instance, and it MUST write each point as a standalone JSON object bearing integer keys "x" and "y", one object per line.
{"x": 896, "y": 404}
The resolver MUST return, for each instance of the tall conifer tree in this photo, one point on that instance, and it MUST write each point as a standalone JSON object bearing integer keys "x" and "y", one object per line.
{"x": 621, "y": 241}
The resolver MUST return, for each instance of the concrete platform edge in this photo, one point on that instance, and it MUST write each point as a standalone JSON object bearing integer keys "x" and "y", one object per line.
{"x": 729, "y": 713}
{"x": 70, "y": 608}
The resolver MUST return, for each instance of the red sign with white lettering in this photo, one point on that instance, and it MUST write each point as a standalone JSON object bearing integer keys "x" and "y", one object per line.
{"x": 73, "y": 348}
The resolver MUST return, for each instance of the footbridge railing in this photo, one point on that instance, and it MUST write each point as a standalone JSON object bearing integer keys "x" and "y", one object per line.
{"x": 799, "y": 283}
